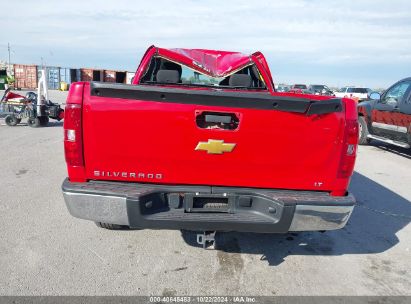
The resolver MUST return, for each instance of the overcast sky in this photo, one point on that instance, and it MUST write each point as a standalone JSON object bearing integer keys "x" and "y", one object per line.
{"x": 364, "y": 43}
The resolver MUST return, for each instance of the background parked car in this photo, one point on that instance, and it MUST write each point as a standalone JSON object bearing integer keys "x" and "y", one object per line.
{"x": 320, "y": 89}
{"x": 354, "y": 92}
{"x": 299, "y": 86}
{"x": 283, "y": 88}
{"x": 300, "y": 89}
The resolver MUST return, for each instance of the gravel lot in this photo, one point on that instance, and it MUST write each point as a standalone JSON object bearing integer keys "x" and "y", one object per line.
{"x": 45, "y": 251}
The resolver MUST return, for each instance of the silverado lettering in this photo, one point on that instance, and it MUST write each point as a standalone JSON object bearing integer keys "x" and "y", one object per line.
{"x": 202, "y": 141}
{"x": 127, "y": 174}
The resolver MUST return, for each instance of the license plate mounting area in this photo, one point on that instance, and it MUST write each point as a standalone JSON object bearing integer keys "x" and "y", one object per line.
{"x": 197, "y": 202}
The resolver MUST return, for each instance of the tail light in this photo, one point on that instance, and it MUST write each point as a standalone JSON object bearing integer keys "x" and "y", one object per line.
{"x": 73, "y": 142}
{"x": 73, "y": 133}
{"x": 349, "y": 151}
{"x": 73, "y": 137}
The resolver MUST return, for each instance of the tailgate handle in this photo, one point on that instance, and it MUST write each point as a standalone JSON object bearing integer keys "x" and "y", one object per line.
{"x": 217, "y": 120}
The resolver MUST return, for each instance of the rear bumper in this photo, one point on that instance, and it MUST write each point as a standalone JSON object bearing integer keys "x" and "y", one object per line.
{"x": 171, "y": 207}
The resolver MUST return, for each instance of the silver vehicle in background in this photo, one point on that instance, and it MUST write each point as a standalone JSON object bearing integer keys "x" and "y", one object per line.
{"x": 320, "y": 89}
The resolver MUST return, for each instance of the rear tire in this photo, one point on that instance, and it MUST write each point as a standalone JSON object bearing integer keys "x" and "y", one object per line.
{"x": 44, "y": 120}
{"x": 111, "y": 226}
{"x": 363, "y": 131}
{"x": 11, "y": 120}
{"x": 34, "y": 122}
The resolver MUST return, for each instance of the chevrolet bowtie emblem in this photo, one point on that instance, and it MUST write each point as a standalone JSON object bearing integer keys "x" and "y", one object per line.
{"x": 214, "y": 146}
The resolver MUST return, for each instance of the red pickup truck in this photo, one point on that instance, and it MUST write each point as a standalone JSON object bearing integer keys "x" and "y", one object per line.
{"x": 201, "y": 141}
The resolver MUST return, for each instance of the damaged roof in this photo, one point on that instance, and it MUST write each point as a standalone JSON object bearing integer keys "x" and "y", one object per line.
{"x": 211, "y": 62}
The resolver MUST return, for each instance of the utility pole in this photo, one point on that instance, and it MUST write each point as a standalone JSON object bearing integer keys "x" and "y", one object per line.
{"x": 8, "y": 48}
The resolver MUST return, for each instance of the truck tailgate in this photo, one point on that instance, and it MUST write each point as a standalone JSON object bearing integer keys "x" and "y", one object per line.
{"x": 177, "y": 136}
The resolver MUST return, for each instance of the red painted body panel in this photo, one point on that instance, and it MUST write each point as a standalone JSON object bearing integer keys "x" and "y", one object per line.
{"x": 156, "y": 140}
{"x": 262, "y": 65}
{"x": 273, "y": 149}
{"x": 391, "y": 118}
{"x": 403, "y": 120}
{"x": 216, "y": 63}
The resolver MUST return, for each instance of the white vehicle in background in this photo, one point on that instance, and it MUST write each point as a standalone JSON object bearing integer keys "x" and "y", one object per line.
{"x": 353, "y": 92}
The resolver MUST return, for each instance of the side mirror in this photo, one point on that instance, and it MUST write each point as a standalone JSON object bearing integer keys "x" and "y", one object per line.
{"x": 375, "y": 96}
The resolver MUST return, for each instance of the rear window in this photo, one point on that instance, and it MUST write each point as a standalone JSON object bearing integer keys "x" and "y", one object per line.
{"x": 357, "y": 90}
{"x": 186, "y": 76}
{"x": 300, "y": 86}
{"x": 317, "y": 87}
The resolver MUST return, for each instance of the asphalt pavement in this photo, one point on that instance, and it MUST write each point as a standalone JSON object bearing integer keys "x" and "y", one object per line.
{"x": 45, "y": 251}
